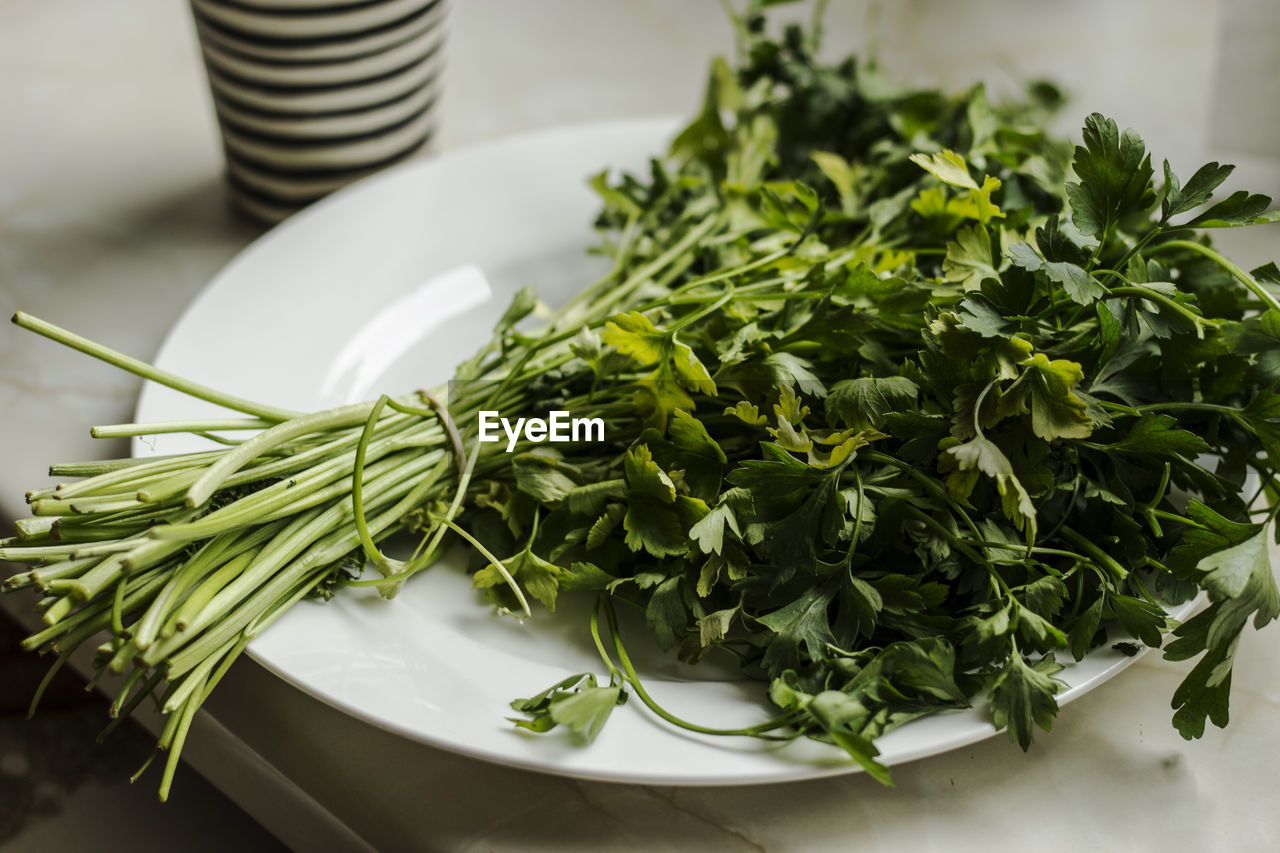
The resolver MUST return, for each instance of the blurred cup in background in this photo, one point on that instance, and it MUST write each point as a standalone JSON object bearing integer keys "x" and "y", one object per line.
{"x": 313, "y": 94}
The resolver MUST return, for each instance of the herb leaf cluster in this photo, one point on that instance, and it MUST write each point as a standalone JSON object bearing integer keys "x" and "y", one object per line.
{"x": 936, "y": 401}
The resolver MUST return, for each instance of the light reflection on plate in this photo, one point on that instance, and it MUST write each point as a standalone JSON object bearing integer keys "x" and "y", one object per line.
{"x": 389, "y": 334}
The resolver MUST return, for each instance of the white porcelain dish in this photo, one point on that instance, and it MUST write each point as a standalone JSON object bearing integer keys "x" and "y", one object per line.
{"x": 331, "y": 307}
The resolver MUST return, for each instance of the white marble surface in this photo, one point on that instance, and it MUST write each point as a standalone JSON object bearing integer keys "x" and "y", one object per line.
{"x": 112, "y": 217}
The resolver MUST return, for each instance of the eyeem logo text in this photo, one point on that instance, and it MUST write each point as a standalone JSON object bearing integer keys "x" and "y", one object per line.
{"x": 557, "y": 427}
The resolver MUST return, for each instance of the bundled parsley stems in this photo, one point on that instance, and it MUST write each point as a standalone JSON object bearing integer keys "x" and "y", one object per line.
{"x": 904, "y": 399}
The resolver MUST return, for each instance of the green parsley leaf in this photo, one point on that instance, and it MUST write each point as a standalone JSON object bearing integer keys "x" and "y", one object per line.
{"x": 1197, "y": 191}
{"x": 968, "y": 260}
{"x": 635, "y": 336}
{"x": 1158, "y": 434}
{"x": 577, "y": 702}
{"x": 803, "y": 623}
{"x": 1115, "y": 177}
{"x": 1239, "y": 208}
{"x": 1022, "y": 697}
{"x": 864, "y": 402}
{"x": 1046, "y": 388}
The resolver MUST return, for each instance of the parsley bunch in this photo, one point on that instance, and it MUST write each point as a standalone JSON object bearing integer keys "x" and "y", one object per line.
{"x": 904, "y": 397}
{"x": 934, "y": 399}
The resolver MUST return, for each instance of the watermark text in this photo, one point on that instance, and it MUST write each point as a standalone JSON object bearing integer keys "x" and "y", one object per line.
{"x": 557, "y": 427}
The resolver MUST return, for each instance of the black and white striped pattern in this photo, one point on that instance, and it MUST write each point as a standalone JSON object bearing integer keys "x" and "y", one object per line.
{"x": 313, "y": 94}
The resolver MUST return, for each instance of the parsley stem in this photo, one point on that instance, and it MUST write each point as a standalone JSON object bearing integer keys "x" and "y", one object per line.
{"x": 930, "y": 485}
{"x": 595, "y": 637}
{"x": 235, "y": 459}
{"x": 494, "y": 562}
{"x": 1198, "y": 321}
{"x": 857, "y": 518}
{"x": 1151, "y": 234}
{"x": 691, "y": 238}
{"x": 959, "y": 544}
{"x": 147, "y": 371}
{"x": 1240, "y": 275}
{"x": 425, "y": 555}
{"x": 1104, "y": 559}
{"x": 357, "y": 490}
{"x": 1171, "y": 516}
{"x": 1035, "y": 549}
{"x": 1136, "y": 582}
{"x": 1097, "y": 250}
{"x": 695, "y": 316}
{"x": 734, "y": 272}
{"x": 633, "y": 678}
{"x": 165, "y": 427}
{"x": 1194, "y": 407}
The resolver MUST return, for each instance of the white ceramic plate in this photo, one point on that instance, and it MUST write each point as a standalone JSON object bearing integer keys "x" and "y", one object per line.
{"x": 331, "y": 307}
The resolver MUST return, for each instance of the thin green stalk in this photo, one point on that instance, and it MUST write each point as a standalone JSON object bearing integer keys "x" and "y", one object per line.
{"x": 691, "y": 238}
{"x": 595, "y": 638}
{"x": 178, "y": 738}
{"x": 117, "y": 606}
{"x": 211, "y": 586}
{"x": 102, "y": 467}
{"x": 46, "y": 681}
{"x": 287, "y": 497}
{"x": 92, "y": 618}
{"x": 122, "y": 657}
{"x": 182, "y": 654}
{"x": 316, "y": 538}
{"x": 147, "y": 371}
{"x": 129, "y": 479}
{"x": 494, "y": 562}
{"x": 1138, "y": 246}
{"x": 958, "y": 543}
{"x": 392, "y": 469}
{"x": 295, "y": 536}
{"x": 1103, "y": 559}
{"x": 1198, "y": 321}
{"x": 759, "y": 730}
{"x": 60, "y": 570}
{"x": 930, "y": 485}
{"x": 126, "y": 709}
{"x": 164, "y": 609}
{"x": 58, "y": 610}
{"x": 1236, "y": 272}
{"x": 275, "y": 611}
{"x": 166, "y": 427}
{"x": 191, "y": 682}
{"x": 235, "y": 459}
{"x": 426, "y": 552}
{"x": 371, "y": 551}
{"x": 84, "y": 505}
{"x": 1189, "y": 407}
{"x": 122, "y": 696}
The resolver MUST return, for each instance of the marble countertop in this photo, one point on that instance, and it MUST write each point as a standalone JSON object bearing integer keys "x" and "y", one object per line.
{"x": 112, "y": 217}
